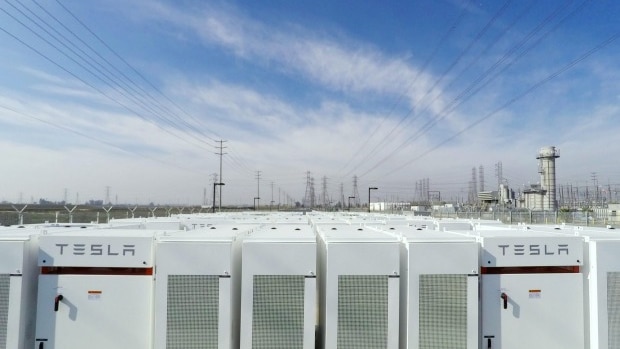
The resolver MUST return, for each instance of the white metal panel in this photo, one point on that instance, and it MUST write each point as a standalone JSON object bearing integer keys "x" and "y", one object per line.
{"x": 18, "y": 273}
{"x": 279, "y": 258}
{"x": 541, "y": 311}
{"x": 603, "y": 269}
{"x": 532, "y": 251}
{"x": 349, "y": 256}
{"x": 195, "y": 254}
{"x": 457, "y": 260}
{"x": 353, "y": 258}
{"x": 101, "y": 250}
{"x": 12, "y": 254}
{"x": 285, "y": 258}
{"x": 96, "y": 312}
{"x": 194, "y": 257}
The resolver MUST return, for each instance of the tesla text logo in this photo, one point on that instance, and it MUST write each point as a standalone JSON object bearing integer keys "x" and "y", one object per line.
{"x": 96, "y": 249}
{"x": 534, "y": 250}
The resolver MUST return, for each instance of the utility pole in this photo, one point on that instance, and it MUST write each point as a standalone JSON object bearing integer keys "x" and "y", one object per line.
{"x": 221, "y": 154}
{"x": 271, "y": 204}
{"x": 258, "y": 173}
{"x": 214, "y": 179}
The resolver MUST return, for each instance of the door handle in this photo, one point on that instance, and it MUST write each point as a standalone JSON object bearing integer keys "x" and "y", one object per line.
{"x": 56, "y": 302}
{"x": 504, "y": 297}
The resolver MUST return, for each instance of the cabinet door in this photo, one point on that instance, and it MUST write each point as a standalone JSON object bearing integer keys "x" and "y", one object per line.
{"x": 532, "y": 311}
{"x": 94, "y": 312}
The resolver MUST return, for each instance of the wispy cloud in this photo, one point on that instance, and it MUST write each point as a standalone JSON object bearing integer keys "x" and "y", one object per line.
{"x": 335, "y": 63}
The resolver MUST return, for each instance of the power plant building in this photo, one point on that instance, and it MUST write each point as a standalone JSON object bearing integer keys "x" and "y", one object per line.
{"x": 542, "y": 197}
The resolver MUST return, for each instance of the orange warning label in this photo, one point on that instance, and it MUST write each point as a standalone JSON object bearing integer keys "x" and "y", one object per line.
{"x": 535, "y": 294}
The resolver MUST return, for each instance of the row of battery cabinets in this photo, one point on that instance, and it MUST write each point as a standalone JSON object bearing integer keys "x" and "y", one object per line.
{"x": 490, "y": 291}
{"x": 526, "y": 301}
{"x": 187, "y": 299}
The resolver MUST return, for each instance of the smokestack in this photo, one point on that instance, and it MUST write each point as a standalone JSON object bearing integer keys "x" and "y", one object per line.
{"x": 546, "y": 168}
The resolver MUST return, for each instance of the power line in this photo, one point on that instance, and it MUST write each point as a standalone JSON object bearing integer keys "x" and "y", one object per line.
{"x": 96, "y": 69}
{"x": 528, "y": 91}
{"x": 439, "y": 44}
{"x": 397, "y": 128}
{"x": 130, "y": 66}
{"x": 115, "y": 100}
{"x": 90, "y": 137}
{"x": 468, "y": 93}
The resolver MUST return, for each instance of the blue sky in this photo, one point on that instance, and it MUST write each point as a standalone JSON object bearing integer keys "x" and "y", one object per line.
{"x": 134, "y": 95}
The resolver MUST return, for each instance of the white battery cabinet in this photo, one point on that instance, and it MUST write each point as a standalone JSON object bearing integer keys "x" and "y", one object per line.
{"x": 532, "y": 290}
{"x": 439, "y": 289}
{"x": 18, "y": 280}
{"x": 278, "y": 288}
{"x": 602, "y": 282}
{"x": 195, "y": 302}
{"x": 359, "y": 272}
{"x": 95, "y": 290}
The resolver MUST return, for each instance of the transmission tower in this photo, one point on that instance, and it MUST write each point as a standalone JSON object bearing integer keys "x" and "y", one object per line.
{"x": 324, "y": 195}
{"x": 107, "y": 196}
{"x": 342, "y": 195}
{"x": 473, "y": 187}
{"x": 481, "y": 177}
{"x": 307, "y": 200}
{"x": 499, "y": 173}
{"x": 312, "y": 193}
{"x": 356, "y": 192}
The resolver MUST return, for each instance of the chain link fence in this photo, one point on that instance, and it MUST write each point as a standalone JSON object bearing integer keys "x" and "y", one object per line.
{"x": 39, "y": 215}
{"x": 585, "y": 218}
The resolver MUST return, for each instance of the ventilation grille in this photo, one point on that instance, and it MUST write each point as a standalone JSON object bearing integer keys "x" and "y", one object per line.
{"x": 278, "y": 312}
{"x": 5, "y": 281}
{"x": 193, "y": 308}
{"x": 362, "y": 311}
{"x": 443, "y": 311}
{"x": 613, "y": 309}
